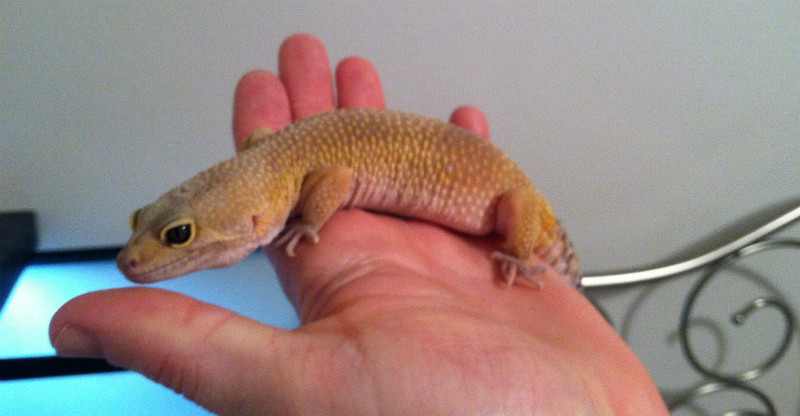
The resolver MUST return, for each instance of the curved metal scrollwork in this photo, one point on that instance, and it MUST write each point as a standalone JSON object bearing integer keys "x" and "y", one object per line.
{"x": 718, "y": 386}
{"x": 739, "y": 317}
{"x": 715, "y": 261}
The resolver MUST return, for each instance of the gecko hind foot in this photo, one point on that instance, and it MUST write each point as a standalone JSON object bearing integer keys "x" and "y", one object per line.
{"x": 511, "y": 266}
{"x": 292, "y": 235}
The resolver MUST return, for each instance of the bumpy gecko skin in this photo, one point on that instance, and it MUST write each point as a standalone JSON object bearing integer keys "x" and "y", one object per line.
{"x": 378, "y": 160}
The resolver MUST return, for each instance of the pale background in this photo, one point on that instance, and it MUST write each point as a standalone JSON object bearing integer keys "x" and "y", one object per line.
{"x": 651, "y": 128}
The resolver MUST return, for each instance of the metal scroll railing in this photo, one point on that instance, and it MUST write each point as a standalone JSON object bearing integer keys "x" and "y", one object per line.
{"x": 711, "y": 263}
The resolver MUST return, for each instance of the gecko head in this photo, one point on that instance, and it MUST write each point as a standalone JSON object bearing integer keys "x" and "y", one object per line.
{"x": 170, "y": 238}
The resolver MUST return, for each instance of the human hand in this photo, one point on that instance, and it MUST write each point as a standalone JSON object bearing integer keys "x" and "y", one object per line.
{"x": 398, "y": 316}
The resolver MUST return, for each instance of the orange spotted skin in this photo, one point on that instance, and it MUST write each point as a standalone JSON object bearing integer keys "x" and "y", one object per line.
{"x": 380, "y": 160}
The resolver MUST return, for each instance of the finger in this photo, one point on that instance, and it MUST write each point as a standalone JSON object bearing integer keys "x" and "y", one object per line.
{"x": 260, "y": 100}
{"x": 471, "y": 118}
{"x": 359, "y": 84}
{"x": 207, "y": 353}
{"x": 306, "y": 73}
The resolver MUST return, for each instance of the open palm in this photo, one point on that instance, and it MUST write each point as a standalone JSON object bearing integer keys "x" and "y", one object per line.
{"x": 398, "y": 316}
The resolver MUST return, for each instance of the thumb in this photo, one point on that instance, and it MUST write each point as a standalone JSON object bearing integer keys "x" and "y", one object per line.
{"x": 223, "y": 361}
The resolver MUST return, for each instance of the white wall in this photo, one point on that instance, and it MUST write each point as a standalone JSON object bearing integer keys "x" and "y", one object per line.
{"x": 649, "y": 127}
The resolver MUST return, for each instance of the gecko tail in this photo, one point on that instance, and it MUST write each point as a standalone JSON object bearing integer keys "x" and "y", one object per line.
{"x": 561, "y": 256}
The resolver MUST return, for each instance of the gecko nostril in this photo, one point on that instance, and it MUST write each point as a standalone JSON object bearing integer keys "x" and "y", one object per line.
{"x": 132, "y": 263}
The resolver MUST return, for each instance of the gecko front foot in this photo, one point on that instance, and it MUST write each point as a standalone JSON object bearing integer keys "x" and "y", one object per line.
{"x": 292, "y": 235}
{"x": 510, "y": 266}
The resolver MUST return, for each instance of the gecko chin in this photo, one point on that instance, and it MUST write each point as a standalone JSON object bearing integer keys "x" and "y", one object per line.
{"x": 139, "y": 271}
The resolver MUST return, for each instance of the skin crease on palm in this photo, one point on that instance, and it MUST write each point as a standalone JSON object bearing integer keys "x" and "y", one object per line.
{"x": 398, "y": 316}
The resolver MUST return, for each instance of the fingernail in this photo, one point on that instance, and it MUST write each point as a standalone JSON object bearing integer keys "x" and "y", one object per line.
{"x": 74, "y": 342}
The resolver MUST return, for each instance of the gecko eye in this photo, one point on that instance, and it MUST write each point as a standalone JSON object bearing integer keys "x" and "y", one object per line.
{"x": 179, "y": 233}
{"x": 134, "y": 218}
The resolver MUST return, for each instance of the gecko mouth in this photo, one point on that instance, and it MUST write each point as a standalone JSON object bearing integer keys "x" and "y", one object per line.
{"x": 204, "y": 257}
{"x": 144, "y": 273}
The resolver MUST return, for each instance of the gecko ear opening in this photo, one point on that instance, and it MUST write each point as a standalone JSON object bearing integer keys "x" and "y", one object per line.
{"x": 134, "y": 218}
{"x": 178, "y": 233}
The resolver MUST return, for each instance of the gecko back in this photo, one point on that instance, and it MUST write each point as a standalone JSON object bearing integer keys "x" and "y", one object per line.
{"x": 426, "y": 168}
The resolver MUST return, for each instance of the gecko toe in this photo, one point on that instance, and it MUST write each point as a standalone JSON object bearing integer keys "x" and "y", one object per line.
{"x": 292, "y": 235}
{"x": 511, "y": 266}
